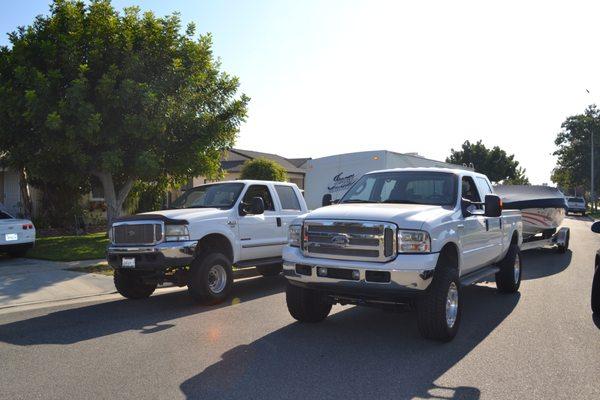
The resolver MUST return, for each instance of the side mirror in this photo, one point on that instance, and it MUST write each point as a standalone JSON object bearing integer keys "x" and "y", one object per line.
{"x": 256, "y": 206}
{"x": 326, "y": 200}
{"x": 493, "y": 206}
{"x": 596, "y": 227}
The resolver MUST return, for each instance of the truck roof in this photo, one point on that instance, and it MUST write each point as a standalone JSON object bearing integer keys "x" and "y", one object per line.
{"x": 454, "y": 171}
{"x": 252, "y": 181}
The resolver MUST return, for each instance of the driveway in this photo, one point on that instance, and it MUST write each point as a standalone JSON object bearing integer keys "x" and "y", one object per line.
{"x": 26, "y": 281}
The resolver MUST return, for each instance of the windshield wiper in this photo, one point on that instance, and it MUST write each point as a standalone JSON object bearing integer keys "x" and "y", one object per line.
{"x": 357, "y": 201}
{"x": 400, "y": 202}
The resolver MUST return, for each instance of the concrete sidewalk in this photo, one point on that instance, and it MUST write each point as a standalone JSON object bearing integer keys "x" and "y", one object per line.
{"x": 26, "y": 281}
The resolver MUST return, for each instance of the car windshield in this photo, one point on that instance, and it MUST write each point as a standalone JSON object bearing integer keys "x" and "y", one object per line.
{"x": 576, "y": 200}
{"x": 433, "y": 188}
{"x": 220, "y": 195}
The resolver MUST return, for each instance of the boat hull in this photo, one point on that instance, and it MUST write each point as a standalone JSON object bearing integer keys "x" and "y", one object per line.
{"x": 538, "y": 220}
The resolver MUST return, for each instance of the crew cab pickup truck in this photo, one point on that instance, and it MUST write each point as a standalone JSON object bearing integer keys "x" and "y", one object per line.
{"x": 403, "y": 236}
{"x": 210, "y": 229}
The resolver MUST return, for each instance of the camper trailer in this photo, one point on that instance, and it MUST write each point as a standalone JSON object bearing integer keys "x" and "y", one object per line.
{"x": 334, "y": 175}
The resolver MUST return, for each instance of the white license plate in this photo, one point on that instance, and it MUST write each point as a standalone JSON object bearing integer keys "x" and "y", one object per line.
{"x": 9, "y": 237}
{"x": 128, "y": 262}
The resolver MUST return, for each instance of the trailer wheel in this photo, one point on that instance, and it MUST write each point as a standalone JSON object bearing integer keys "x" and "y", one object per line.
{"x": 562, "y": 249}
{"x": 508, "y": 279}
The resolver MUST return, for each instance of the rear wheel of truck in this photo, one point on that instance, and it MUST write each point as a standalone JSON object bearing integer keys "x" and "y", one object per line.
{"x": 269, "y": 270}
{"x": 130, "y": 284}
{"x": 439, "y": 312}
{"x": 306, "y": 305}
{"x": 210, "y": 279}
{"x": 508, "y": 279}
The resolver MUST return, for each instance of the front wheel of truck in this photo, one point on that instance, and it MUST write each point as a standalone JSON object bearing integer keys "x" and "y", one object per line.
{"x": 211, "y": 278}
{"x": 439, "y": 311}
{"x": 306, "y": 305}
{"x": 130, "y": 284}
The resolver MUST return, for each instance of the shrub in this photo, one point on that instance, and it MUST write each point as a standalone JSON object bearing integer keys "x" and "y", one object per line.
{"x": 263, "y": 169}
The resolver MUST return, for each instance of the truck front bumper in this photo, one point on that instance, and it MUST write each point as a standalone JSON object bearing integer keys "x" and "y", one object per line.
{"x": 157, "y": 257}
{"x": 406, "y": 275}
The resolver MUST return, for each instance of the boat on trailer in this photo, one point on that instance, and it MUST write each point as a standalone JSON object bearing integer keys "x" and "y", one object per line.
{"x": 543, "y": 209}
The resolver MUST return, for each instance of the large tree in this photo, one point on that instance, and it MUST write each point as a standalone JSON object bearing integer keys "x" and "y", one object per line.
{"x": 495, "y": 163}
{"x": 573, "y": 164}
{"x": 263, "y": 169}
{"x": 123, "y": 96}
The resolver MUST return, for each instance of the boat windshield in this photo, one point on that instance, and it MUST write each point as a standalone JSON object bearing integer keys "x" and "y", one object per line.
{"x": 410, "y": 187}
{"x": 219, "y": 195}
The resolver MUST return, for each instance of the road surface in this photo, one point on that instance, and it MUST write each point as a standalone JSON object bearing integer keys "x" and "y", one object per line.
{"x": 542, "y": 343}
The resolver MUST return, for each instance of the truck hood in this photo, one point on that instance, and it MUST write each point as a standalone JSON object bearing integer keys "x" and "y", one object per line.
{"x": 406, "y": 216}
{"x": 192, "y": 214}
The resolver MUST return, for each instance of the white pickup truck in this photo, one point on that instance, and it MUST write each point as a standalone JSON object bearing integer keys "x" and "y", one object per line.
{"x": 210, "y": 229}
{"x": 403, "y": 236}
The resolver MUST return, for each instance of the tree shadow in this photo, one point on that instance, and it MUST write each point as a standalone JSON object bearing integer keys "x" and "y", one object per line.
{"x": 355, "y": 353}
{"x": 97, "y": 320}
{"x": 540, "y": 263}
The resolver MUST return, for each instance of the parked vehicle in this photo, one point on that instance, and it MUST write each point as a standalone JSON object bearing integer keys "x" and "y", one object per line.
{"x": 210, "y": 229}
{"x": 576, "y": 205}
{"x": 17, "y": 235}
{"x": 404, "y": 236}
{"x": 542, "y": 210}
{"x": 596, "y": 279}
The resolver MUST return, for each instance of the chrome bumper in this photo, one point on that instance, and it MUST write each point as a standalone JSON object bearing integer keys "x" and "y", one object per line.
{"x": 407, "y": 272}
{"x": 159, "y": 256}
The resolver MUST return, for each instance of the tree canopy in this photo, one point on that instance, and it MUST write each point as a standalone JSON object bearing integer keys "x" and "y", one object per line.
{"x": 495, "y": 163}
{"x": 124, "y": 96}
{"x": 263, "y": 169}
{"x": 573, "y": 164}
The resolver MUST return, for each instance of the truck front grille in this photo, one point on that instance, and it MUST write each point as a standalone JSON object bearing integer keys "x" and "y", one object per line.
{"x": 139, "y": 234}
{"x": 350, "y": 240}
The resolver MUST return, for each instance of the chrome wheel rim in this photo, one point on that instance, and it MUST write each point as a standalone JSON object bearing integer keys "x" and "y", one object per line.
{"x": 451, "y": 305}
{"x": 217, "y": 278}
{"x": 517, "y": 269}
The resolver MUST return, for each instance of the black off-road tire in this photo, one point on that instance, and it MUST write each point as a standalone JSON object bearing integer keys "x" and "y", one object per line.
{"x": 270, "y": 270}
{"x": 200, "y": 278}
{"x": 431, "y": 308}
{"x": 306, "y": 305}
{"x": 562, "y": 249}
{"x": 507, "y": 280}
{"x": 130, "y": 284}
{"x": 596, "y": 292}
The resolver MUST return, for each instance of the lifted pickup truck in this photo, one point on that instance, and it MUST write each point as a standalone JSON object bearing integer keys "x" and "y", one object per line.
{"x": 210, "y": 229}
{"x": 404, "y": 236}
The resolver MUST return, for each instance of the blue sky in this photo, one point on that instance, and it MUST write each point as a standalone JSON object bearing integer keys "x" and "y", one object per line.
{"x": 329, "y": 77}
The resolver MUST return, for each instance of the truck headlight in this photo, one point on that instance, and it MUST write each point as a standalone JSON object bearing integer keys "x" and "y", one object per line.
{"x": 413, "y": 242}
{"x": 295, "y": 235}
{"x": 174, "y": 233}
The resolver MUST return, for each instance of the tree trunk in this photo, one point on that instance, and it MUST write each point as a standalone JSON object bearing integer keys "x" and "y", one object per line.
{"x": 114, "y": 198}
{"x": 25, "y": 195}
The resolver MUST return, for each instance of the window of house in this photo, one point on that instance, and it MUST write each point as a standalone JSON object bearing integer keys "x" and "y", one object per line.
{"x": 261, "y": 191}
{"x": 287, "y": 195}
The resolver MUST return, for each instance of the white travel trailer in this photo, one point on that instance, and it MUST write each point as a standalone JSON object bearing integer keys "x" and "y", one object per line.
{"x": 335, "y": 174}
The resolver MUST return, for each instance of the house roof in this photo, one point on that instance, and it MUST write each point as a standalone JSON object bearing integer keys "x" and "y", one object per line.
{"x": 299, "y": 162}
{"x": 235, "y": 158}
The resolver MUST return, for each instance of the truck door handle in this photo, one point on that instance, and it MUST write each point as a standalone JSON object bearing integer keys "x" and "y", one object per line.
{"x": 278, "y": 221}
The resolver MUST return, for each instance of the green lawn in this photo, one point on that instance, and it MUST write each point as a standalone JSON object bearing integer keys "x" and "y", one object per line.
{"x": 70, "y": 248}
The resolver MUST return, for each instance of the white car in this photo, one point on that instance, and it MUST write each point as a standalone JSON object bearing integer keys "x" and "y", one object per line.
{"x": 17, "y": 235}
{"x": 210, "y": 229}
{"x": 576, "y": 205}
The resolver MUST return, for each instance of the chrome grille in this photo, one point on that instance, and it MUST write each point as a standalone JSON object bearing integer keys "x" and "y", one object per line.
{"x": 349, "y": 240}
{"x": 137, "y": 233}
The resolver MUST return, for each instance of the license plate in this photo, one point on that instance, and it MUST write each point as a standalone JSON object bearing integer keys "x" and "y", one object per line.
{"x": 9, "y": 237}
{"x": 128, "y": 262}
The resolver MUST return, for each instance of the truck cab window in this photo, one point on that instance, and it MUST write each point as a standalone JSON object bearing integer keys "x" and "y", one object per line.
{"x": 261, "y": 191}
{"x": 469, "y": 190}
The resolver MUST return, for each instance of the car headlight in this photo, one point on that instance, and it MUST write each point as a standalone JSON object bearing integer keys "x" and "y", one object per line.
{"x": 295, "y": 235}
{"x": 413, "y": 242}
{"x": 175, "y": 233}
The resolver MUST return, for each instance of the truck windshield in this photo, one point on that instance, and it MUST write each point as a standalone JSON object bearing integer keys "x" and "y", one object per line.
{"x": 433, "y": 188}
{"x": 219, "y": 195}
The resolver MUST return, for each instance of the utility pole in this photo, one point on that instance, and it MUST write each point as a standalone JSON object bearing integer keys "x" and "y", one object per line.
{"x": 593, "y": 198}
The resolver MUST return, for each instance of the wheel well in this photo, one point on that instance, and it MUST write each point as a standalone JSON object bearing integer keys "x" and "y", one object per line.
{"x": 216, "y": 242}
{"x": 449, "y": 256}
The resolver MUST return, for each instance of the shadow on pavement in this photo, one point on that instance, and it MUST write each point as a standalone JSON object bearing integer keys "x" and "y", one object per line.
{"x": 355, "y": 353}
{"x": 146, "y": 315}
{"x": 540, "y": 263}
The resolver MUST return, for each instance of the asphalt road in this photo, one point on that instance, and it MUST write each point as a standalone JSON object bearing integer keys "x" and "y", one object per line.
{"x": 540, "y": 344}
